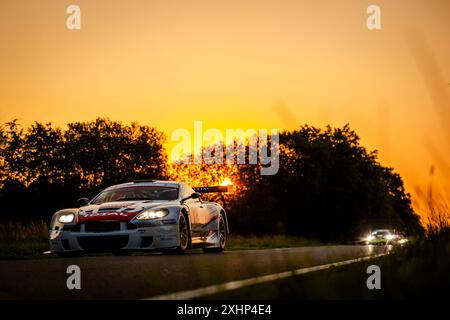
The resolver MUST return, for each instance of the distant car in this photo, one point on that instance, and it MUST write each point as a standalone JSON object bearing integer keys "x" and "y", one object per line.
{"x": 139, "y": 216}
{"x": 384, "y": 237}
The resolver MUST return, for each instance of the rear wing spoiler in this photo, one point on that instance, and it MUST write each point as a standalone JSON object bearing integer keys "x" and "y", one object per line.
{"x": 214, "y": 189}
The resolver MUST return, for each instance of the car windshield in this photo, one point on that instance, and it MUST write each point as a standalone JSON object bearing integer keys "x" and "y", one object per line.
{"x": 149, "y": 193}
{"x": 381, "y": 233}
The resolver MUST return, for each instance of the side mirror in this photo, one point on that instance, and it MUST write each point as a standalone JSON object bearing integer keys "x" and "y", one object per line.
{"x": 195, "y": 195}
{"x": 83, "y": 201}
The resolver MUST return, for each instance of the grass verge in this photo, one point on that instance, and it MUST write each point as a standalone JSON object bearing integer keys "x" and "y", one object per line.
{"x": 20, "y": 240}
{"x": 244, "y": 242}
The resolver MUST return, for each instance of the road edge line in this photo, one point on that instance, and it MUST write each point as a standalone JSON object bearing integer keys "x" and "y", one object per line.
{"x": 238, "y": 284}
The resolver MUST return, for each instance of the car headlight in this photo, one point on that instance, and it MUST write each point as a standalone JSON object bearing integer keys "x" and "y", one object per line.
{"x": 370, "y": 237}
{"x": 152, "y": 214}
{"x": 66, "y": 218}
{"x": 390, "y": 236}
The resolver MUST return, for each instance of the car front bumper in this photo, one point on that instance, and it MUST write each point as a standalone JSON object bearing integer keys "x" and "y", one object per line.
{"x": 380, "y": 241}
{"x": 164, "y": 236}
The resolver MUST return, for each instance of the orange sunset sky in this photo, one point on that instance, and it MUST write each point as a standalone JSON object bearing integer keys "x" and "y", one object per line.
{"x": 240, "y": 64}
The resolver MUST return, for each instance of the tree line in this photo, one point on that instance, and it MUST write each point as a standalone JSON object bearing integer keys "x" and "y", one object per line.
{"x": 45, "y": 168}
{"x": 328, "y": 186}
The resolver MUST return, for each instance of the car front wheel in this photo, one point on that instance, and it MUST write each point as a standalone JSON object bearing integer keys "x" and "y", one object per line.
{"x": 183, "y": 237}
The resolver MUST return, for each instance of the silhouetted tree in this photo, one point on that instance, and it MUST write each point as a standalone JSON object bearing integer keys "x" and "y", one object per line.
{"x": 328, "y": 187}
{"x": 103, "y": 152}
{"x": 45, "y": 168}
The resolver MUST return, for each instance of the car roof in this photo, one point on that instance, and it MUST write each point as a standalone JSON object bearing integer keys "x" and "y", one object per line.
{"x": 146, "y": 183}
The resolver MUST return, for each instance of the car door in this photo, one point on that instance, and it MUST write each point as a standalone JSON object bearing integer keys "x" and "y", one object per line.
{"x": 195, "y": 216}
{"x": 195, "y": 212}
{"x": 207, "y": 218}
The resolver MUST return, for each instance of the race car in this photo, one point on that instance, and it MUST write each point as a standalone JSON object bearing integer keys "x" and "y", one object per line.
{"x": 384, "y": 237}
{"x": 141, "y": 215}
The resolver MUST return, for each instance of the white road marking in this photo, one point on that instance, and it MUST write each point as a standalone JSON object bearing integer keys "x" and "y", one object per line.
{"x": 233, "y": 285}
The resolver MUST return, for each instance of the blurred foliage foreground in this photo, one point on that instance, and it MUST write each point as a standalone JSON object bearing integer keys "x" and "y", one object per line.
{"x": 328, "y": 186}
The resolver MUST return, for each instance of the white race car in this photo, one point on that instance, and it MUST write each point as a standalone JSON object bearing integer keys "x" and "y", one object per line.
{"x": 141, "y": 215}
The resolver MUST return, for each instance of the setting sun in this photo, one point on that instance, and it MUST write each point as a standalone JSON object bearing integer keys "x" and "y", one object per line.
{"x": 226, "y": 182}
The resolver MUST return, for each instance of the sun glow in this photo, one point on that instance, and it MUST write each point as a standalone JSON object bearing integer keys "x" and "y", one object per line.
{"x": 226, "y": 182}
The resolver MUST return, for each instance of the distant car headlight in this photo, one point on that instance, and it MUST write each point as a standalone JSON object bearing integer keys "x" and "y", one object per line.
{"x": 66, "y": 218}
{"x": 402, "y": 241}
{"x": 370, "y": 237}
{"x": 152, "y": 214}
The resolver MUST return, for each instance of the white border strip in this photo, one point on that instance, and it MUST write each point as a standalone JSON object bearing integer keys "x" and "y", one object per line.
{"x": 233, "y": 285}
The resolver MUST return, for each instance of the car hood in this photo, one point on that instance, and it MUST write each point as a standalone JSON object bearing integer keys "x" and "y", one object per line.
{"x": 119, "y": 210}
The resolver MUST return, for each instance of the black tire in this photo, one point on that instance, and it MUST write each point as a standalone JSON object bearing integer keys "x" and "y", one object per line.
{"x": 184, "y": 237}
{"x": 223, "y": 236}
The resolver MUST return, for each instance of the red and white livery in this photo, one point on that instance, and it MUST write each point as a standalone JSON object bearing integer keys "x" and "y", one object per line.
{"x": 141, "y": 215}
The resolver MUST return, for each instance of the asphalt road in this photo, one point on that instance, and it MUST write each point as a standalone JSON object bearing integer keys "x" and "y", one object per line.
{"x": 146, "y": 276}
